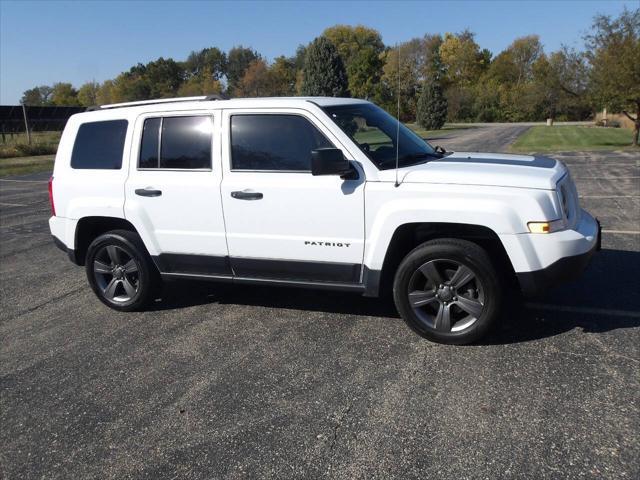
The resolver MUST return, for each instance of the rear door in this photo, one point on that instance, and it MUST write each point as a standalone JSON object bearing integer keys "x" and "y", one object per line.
{"x": 173, "y": 191}
{"x": 282, "y": 222}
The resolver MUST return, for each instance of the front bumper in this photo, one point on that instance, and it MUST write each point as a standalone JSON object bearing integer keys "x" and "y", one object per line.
{"x": 563, "y": 270}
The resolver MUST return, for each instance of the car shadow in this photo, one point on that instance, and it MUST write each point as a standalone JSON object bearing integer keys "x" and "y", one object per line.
{"x": 605, "y": 298}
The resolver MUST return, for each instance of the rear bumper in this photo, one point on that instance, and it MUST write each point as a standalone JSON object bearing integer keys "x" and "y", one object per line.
{"x": 58, "y": 227}
{"x": 563, "y": 270}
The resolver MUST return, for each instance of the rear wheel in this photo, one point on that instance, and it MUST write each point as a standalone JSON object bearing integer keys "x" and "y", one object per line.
{"x": 120, "y": 271}
{"x": 448, "y": 291}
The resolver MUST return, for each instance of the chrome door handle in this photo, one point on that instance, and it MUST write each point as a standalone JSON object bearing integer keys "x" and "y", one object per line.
{"x": 246, "y": 195}
{"x": 148, "y": 192}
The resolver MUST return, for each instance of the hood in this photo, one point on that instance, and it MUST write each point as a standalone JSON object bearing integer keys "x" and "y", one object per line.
{"x": 494, "y": 169}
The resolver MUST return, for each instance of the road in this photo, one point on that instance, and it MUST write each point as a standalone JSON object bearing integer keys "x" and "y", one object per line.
{"x": 257, "y": 382}
{"x": 481, "y": 138}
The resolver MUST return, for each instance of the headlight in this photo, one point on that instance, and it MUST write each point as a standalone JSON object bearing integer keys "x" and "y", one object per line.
{"x": 547, "y": 227}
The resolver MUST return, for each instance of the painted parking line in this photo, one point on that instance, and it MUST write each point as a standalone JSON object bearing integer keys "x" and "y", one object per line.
{"x": 620, "y": 177}
{"x": 23, "y": 181}
{"x": 623, "y": 232}
{"x": 609, "y": 196}
{"x": 12, "y": 204}
{"x": 585, "y": 310}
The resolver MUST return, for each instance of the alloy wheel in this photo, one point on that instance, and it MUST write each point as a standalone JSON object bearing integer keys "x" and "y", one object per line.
{"x": 116, "y": 273}
{"x": 446, "y": 295}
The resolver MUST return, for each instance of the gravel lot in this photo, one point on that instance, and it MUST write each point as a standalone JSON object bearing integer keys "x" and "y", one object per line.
{"x": 257, "y": 382}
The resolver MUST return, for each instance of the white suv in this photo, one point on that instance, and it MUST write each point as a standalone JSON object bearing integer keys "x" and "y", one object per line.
{"x": 306, "y": 192}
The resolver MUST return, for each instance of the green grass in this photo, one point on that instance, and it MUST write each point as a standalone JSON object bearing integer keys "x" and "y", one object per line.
{"x": 448, "y": 129}
{"x": 22, "y": 165}
{"x": 17, "y": 145}
{"x": 572, "y": 138}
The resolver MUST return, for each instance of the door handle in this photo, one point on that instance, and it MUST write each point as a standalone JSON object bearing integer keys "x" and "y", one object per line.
{"x": 247, "y": 195}
{"x": 148, "y": 192}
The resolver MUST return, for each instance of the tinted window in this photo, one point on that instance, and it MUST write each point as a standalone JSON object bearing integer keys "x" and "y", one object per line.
{"x": 149, "y": 148}
{"x": 99, "y": 145}
{"x": 273, "y": 142}
{"x": 186, "y": 142}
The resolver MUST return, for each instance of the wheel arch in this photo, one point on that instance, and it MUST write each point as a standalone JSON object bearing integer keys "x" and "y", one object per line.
{"x": 89, "y": 228}
{"x": 408, "y": 236}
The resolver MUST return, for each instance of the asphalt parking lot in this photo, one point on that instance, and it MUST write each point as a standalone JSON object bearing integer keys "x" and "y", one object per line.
{"x": 257, "y": 382}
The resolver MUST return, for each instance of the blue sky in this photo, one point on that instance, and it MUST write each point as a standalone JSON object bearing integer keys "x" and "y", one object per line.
{"x": 46, "y": 42}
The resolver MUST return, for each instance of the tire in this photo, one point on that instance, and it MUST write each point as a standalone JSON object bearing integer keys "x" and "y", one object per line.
{"x": 448, "y": 291}
{"x": 121, "y": 272}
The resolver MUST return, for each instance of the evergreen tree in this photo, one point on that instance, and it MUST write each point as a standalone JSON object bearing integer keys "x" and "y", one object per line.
{"x": 324, "y": 72}
{"x": 432, "y": 104}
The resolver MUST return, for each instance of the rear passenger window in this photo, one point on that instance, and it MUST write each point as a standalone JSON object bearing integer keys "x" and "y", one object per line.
{"x": 176, "y": 143}
{"x": 274, "y": 142}
{"x": 99, "y": 145}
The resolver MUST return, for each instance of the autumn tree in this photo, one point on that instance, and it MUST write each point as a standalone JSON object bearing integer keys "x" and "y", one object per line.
{"x": 283, "y": 73}
{"x": 63, "y": 94}
{"x": 324, "y": 72}
{"x": 238, "y": 60}
{"x": 256, "y": 81}
{"x": 204, "y": 83}
{"x": 462, "y": 59}
{"x": 613, "y": 51}
{"x": 88, "y": 94}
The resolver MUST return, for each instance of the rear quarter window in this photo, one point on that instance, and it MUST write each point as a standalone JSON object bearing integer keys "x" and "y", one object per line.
{"x": 99, "y": 145}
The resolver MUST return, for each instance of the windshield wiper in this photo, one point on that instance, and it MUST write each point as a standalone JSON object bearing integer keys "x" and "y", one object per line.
{"x": 419, "y": 156}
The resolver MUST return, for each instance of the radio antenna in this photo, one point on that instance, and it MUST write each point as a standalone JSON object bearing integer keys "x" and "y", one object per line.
{"x": 397, "y": 184}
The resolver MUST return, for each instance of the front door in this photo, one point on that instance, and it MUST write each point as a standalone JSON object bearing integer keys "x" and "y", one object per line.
{"x": 282, "y": 222}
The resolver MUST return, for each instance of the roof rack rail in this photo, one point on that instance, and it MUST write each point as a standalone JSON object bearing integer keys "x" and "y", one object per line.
{"x": 200, "y": 98}
{"x": 215, "y": 96}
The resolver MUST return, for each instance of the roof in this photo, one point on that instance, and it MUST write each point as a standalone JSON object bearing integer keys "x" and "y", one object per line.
{"x": 236, "y": 102}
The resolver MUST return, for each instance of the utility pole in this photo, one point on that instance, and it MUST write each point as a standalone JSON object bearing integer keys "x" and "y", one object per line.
{"x": 26, "y": 123}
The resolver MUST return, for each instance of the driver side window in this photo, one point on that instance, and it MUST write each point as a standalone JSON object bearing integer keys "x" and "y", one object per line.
{"x": 274, "y": 142}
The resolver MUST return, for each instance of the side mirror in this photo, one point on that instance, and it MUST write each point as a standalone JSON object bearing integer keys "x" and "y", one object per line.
{"x": 329, "y": 161}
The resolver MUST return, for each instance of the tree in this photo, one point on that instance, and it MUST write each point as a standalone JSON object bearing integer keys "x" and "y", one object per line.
{"x": 613, "y": 51}
{"x": 561, "y": 83}
{"x": 462, "y": 60}
{"x": 238, "y": 60}
{"x": 256, "y": 81}
{"x": 37, "y": 96}
{"x": 213, "y": 60}
{"x": 106, "y": 93}
{"x": 418, "y": 59}
{"x": 202, "y": 84}
{"x": 360, "y": 49}
{"x": 283, "y": 75}
{"x": 163, "y": 77}
{"x": 432, "y": 105}
{"x": 63, "y": 94}
{"x": 324, "y": 72}
{"x": 88, "y": 94}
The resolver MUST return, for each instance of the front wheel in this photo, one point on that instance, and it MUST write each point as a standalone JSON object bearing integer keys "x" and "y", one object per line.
{"x": 448, "y": 291}
{"x": 120, "y": 271}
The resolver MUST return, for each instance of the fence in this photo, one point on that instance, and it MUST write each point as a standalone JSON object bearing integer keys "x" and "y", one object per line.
{"x": 26, "y": 119}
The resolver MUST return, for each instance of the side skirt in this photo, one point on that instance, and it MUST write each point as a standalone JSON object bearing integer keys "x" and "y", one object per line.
{"x": 291, "y": 273}
{"x": 351, "y": 287}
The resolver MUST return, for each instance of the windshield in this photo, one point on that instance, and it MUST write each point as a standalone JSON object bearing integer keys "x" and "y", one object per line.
{"x": 375, "y": 132}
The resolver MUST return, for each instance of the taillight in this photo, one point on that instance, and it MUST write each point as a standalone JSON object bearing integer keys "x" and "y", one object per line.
{"x": 53, "y": 207}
